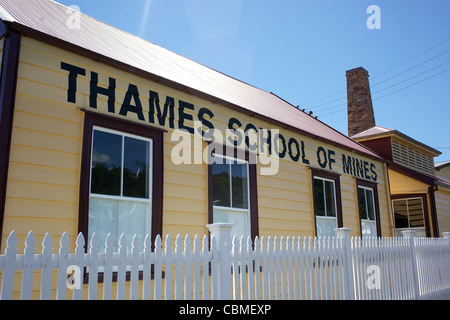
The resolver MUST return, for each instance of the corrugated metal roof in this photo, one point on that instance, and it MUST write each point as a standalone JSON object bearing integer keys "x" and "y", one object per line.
{"x": 50, "y": 18}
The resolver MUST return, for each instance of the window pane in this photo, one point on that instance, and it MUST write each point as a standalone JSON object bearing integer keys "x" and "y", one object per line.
{"x": 132, "y": 220}
{"x": 106, "y": 163}
{"x": 400, "y": 214}
{"x": 241, "y": 223}
{"x": 415, "y": 211}
{"x": 362, "y": 203}
{"x": 103, "y": 220}
{"x": 220, "y": 215}
{"x": 330, "y": 199}
{"x": 239, "y": 186}
{"x": 368, "y": 228}
{"x": 319, "y": 199}
{"x": 221, "y": 185}
{"x": 325, "y": 227}
{"x": 136, "y": 168}
{"x": 370, "y": 205}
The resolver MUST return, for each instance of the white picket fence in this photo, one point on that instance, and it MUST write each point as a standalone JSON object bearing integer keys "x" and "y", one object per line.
{"x": 334, "y": 268}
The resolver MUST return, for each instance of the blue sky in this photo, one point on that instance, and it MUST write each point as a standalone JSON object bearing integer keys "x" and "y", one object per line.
{"x": 300, "y": 50}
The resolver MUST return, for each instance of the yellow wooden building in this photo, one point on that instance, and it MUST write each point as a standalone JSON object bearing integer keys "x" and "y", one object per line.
{"x": 104, "y": 132}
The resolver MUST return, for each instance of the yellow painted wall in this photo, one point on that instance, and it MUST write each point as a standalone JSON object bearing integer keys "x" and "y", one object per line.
{"x": 442, "y": 197}
{"x": 44, "y": 172}
{"x": 444, "y": 173}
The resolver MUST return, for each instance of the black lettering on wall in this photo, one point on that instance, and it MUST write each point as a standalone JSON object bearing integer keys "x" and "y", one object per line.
{"x": 235, "y": 131}
{"x": 132, "y": 93}
{"x": 279, "y": 137}
{"x": 322, "y": 163}
{"x": 201, "y": 116}
{"x": 251, "y": 146}
{"x": 182, "y": 116}
{"x": 304, "y": 160}
{"x": 95, "y": 90}
{"x": 161, "y": 115}
{"x": 72, "y": 78}
{"x": 294, "y": 142}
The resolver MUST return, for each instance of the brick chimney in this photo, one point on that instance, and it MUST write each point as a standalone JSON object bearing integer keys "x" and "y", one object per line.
{"x": 359, "y": 101}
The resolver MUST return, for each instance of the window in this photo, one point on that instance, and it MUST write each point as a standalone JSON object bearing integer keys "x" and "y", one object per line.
{"x": 119, "y": 200}
{"x": 233, "y": 194}
{"x": 369, "y": 211}
{"x": 366, "y": 204}
{"x": 409, "y": 214}
{"x": 121, "y": 180}
{"x": 230, "y": 194}
{"x": 327, "y": 205}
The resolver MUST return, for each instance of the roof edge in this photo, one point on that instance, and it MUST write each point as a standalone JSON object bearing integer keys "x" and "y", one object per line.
{"x": 5, "y": 16}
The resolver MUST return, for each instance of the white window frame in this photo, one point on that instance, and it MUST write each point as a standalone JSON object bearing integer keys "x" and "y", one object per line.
{"x": 326, "y": 217}
{"x": 420, "y": 231}
{"x": 229, "y": 160}
{"x": 148, "y": 200}
{"x": 374, "y": 221}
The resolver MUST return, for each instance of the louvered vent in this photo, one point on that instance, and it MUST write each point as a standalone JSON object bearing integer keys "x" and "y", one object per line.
{"x": 412, "y": 158}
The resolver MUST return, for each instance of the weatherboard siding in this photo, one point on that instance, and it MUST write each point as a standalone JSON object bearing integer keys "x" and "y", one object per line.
{"x": 44, "y": 172}
{"x": 442, "y": 197}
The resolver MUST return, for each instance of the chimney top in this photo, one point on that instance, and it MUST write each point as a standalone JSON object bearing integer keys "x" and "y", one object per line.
{"x": 359, "y": 101}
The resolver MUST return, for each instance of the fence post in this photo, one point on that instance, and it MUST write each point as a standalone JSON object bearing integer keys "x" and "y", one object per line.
{"x": 410, "y": 234}
{"x": 344, "y": 234}
{"x": 222, "y": 233}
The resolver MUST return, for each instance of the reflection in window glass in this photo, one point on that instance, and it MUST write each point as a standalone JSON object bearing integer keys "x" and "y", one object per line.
{"x": 408, "y": 213}
{"x": 221, "y": 185}
{"x": 239, "y": 186}
{"x": 106, "y": 163}
{"x": 136, "y": 168}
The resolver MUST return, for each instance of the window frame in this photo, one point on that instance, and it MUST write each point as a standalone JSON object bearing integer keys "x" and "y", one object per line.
{"x": 326, "y": 175}
{"x": 374, "y": 187}
{"x": 245, "y": 211}
{"x": 423, "y": 196}
{"x": 252, "y": 185}
{"x": 92, "y": 120}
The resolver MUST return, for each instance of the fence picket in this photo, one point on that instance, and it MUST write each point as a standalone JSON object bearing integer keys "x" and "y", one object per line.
{"x": 134, "y": 283}
{"x": 121, "y": 269}
{"x": 205, "y": 268}
{"x": 250, "y": 275}
{"x": 196, "y": 269}
{"x": 187, "y": 268}
{"x": 27, "y": 276}
{"x": 93, "y": 268}
{"x": 63, "y": 262}
{"x": 264, "y": 284}
{"x": 168, "y": 268}
{"x": 157, "y": 288}
{"x": 79, "y": 261}
{"x": 146, "y": 269}
{"x": 107, "y": 270}
{"x": 178, "y": 269}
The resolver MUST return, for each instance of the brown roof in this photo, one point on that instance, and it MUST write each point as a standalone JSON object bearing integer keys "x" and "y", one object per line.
{"x": 378, "y": 132}
{"x": 46, "y": 20}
